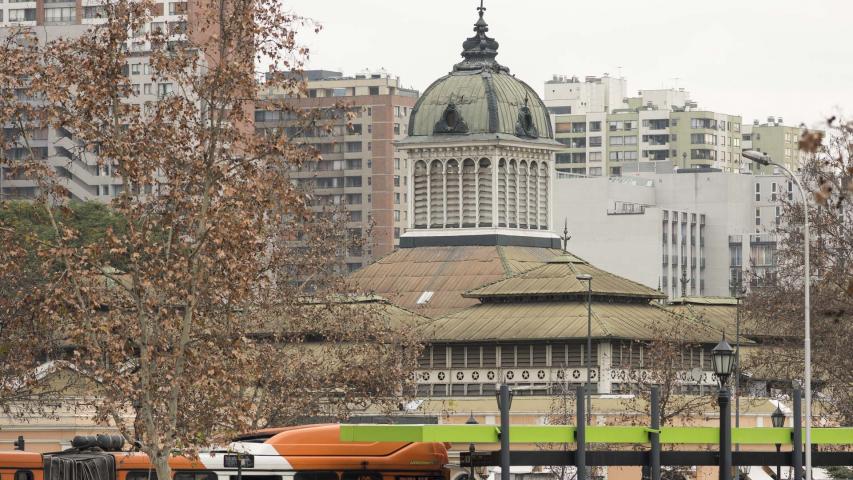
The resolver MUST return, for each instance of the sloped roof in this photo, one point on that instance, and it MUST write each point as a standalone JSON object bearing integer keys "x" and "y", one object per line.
{"x": 403, "y": 276}
{"x": 557, "y": 278}
{"x": 499, "y": 321}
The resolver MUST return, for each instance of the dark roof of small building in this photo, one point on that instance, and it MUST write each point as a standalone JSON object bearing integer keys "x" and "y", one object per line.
{"x": 557, "y": 279}
{"x": 438, "y": 276}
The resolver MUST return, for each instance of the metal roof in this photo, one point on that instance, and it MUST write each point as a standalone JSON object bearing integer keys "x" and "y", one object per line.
{"x": 403, "y": 276}
{"x": 555, "y": 320}
{"x": 557, "y": 278}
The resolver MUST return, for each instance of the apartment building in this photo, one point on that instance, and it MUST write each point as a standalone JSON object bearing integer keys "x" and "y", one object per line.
{"x": 707, "y": 233}
{"x": 776, "y": 139}
{"x": 359, "y": 166}
{"x": 52, "y": 19}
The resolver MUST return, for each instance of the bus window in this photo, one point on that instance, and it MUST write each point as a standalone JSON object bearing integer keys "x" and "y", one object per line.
{"x": 258, "y": 477}
{"x": 23, "y": 475}
{"x": 141, "y": 475}
{"x": 362, "y": 475}
{"x": 316, "y": 476}
{"x": 195, "y": 475}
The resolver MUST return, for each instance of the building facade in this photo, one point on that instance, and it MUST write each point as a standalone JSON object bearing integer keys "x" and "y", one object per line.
{"x": 701, "y": 233}
{"x": 358, "y": 166}
{"x": 779, "y": 141}
{"x": 83, "y": 174}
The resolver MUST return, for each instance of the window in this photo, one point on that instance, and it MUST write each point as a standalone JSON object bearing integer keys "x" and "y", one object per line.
{"x": 757, "y": 216}
{"x": 773, "y": 192}
{"x": 142, "y": 475}
{"x": 594, "y": 141}
{"x": 616, "y": 171}
{"x": 146, "y": 89}
{"x": 352, "y": 147}
{"x": 396, "y": 180}
{"x": 616, "y": 140}
{"x": 594, "y": 156}
{"x": 396, "y": 232}
{"x": 396, "y": 198}
{"x": 315, "y": 476}
{"x": 397, "y": 163}
{"x": 369, "y": 146}
{"x": 94, "y": 12}
{"x": 22, "y": 15}
{"x": 164, "y": 89}
{"x": 352, "y": 182}
{"x": 135, "y": 88}
{"x": 369, "y": 109}
{"x": 195, "y": 475}
{"x": 618, "y": 156}
{"x": 23, "y": 475}
{"x": 630, "y": 140}
{"x": 595, "y": 171}
{"x": 790, "y": 190}
{"x": 778, "y": 214}
{"x": 177, "y": 8}
{"x": 757, "y": 192}
{"x": 397, "y": 128}
{"x": 63, "y": 14}
{"x": 594, "y": 126}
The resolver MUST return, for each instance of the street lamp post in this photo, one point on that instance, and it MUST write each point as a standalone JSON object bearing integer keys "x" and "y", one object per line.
{"x": 585, "y": 277}
{"x": 504, "y": 397}
{"x": 778, "y": 419}
{"x": 765, "y": 160}
{"x": 471, "y": 448}
{"x": 724, "y": 357}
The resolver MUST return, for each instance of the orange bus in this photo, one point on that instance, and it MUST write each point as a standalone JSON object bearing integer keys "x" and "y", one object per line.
{"x": 312, "y": 452}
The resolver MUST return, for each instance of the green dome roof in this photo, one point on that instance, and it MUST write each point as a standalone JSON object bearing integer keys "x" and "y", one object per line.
{"x": 480, "y": 96}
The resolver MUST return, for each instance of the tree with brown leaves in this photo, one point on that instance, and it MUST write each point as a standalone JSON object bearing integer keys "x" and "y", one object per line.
{"x": 776, "y": 310}
{"x": 220, "y": 304}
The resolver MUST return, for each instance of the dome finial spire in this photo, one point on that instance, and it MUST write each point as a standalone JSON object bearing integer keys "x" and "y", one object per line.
{"x": 480, "y": 50}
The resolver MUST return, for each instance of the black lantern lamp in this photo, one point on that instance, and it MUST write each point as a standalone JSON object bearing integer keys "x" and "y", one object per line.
{"x": 778, "y": 418}
{"x": 724, "y": 361}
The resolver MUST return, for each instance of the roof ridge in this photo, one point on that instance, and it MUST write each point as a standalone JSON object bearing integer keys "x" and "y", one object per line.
{"x": 504, "y": 262}
{"x": 663, "y": 295}
{"x": 468, "y": 292}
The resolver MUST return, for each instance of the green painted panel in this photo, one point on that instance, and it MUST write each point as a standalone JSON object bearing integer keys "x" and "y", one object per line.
{"x": 566, "y": 434}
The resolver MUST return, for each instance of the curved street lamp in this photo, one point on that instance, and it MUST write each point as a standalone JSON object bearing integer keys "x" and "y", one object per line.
{"x": 723, "y": 356}
{"x": 764, "y": 159}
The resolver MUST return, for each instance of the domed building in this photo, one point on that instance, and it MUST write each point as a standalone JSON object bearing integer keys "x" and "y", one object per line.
{"x": 503, "y": 299}
{"x": 481, "y": 146}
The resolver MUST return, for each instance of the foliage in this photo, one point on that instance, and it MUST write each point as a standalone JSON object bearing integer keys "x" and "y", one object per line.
{"x": 667, "y": 360}
{"x": 198, "y": 314}
{"x": 778, "y": 307}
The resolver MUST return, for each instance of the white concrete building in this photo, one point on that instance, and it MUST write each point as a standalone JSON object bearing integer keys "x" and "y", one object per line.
{"x": 701, "y": 233}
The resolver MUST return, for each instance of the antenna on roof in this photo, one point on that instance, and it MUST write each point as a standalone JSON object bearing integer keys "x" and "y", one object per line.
{"x": 566, "y": 237}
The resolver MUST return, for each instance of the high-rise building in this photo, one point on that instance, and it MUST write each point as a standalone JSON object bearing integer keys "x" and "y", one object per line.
{"x": 80, "y": 171}
{"x": 359, "y": 166}
{"x": 657, "y": 131}
{"x": 779, "y": 141}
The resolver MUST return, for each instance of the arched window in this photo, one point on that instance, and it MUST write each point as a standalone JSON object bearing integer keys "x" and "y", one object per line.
{"x": 533, "y": 195}
{"x": 522, "y": 194}
{"x": 512, "y": 194}
{"x": 543, "y": 196}
{"x": 484, "y": 193}
{"x": 469, "y": 193}
{"x": 452, "y": 179}
{"x": 502, "y": 193}
{"x": 436, "y": 195}
{"x": 420, "y": 192}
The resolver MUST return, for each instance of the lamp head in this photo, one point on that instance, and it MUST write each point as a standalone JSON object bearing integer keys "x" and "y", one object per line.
{"x": 757, "y": 157}
{"x": 471, "y": 420}
{"x": 583, "y": 277}
{"x": 778, "y": 418}
{"x": 724, "y": 359}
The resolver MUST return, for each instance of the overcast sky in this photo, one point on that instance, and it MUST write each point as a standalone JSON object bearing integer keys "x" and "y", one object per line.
{"x": 789, "y": 58}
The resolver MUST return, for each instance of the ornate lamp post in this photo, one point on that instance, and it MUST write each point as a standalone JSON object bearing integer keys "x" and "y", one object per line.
{"x": 724, "y": 359}
{"x": 471, "y": 448}
{"x": 585, "y": 277}
{"x": 764, "y": 159}
{"x": 778, "y": 419}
